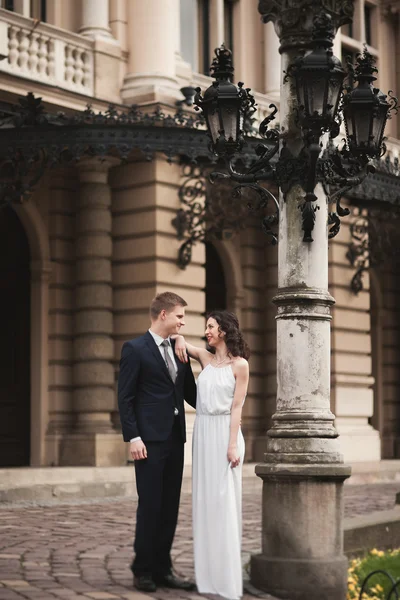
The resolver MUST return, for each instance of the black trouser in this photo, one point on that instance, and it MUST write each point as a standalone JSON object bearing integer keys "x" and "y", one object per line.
{"x": 158, "y": 483}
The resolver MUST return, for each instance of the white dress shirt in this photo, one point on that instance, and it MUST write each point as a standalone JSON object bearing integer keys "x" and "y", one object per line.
{"x": 159, "y": 340}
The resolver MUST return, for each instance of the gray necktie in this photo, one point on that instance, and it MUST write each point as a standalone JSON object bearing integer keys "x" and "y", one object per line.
{"x": 168, "y": 360}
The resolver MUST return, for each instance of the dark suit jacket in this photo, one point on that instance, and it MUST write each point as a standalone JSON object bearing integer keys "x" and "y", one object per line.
{"x": 147, "y": 395}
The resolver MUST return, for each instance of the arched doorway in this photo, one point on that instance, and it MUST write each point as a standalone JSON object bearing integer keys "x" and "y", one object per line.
{"x": 215, "y": 280}
{"x": 14, "y": 342}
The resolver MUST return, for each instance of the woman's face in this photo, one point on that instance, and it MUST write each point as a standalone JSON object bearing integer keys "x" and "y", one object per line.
{"x": 212, "y": 332}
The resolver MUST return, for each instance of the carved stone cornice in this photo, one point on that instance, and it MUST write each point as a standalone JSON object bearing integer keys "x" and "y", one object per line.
{"x": 293, "y": 19}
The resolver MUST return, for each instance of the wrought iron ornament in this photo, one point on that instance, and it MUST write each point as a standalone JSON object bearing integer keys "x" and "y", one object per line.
{"x": 214, "y": 212}
{"x": 374, "y": 233}
{"x": 32, "y": 139}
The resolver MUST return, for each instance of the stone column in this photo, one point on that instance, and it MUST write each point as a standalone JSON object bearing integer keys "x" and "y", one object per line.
{"x": 151, "y": 72}
{"x": 216, "y": 25}
{"x": 303, "y": 472}
{"x": 95, "y": 19}
{"x": 272, "y": 73}
{"x": 187, "y": 39}
{"x": 94, "y": 441}
{"x": 107, "y": 50}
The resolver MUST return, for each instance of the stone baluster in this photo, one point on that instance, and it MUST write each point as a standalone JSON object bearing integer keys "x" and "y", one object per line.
{"x": 33, "y": 52}
{"x": 23, "y": 50}
{"x": 42, "y": 53}
{"x": 13, "y": 45}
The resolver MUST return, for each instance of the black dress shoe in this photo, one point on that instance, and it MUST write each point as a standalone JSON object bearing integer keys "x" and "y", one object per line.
{"x": 145, "y": 583}
{"x": 175, "y": 583}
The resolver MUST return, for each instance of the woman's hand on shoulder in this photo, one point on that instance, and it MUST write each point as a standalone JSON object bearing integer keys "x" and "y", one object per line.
{"x": 180, "y": 348}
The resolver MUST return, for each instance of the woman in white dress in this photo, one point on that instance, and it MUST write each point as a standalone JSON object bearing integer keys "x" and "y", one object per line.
{"x": 218, "y": 452}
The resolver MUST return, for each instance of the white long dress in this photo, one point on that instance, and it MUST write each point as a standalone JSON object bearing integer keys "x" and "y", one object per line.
{"x": 217, "y": 488}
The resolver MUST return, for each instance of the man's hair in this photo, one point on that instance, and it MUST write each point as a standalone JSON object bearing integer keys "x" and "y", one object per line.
{"x": 165, "y": 301}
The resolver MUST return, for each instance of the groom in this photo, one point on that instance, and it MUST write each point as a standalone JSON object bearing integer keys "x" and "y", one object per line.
{"x": 151, "y": 388}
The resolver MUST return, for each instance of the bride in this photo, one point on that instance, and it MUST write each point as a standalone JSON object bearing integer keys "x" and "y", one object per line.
{"x": 218, "y": 452}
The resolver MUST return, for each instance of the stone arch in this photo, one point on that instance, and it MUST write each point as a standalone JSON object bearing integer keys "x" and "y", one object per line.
{"x": 38, "y": 240}
{"x": 231, "y": 263}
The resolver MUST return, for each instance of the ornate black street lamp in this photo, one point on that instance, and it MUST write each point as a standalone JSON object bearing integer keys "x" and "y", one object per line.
{"x": 322, "y": 104}
{"x": 365, "y": 111}
{"x": 225, "y": 106}
{"x": 319, "y": 80}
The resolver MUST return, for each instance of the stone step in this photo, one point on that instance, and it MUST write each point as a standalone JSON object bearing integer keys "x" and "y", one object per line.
{"x": 51, "y": 483}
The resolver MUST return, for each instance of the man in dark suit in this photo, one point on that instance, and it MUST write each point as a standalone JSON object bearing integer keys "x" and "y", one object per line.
{"x": 152, "y": 385}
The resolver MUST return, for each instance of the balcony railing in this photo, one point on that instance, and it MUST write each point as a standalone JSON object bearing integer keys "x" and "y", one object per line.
{"x": 46, "y": 54}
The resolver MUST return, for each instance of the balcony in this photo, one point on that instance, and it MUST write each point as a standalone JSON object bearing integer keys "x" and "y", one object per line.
{"x": 43, "y": 53}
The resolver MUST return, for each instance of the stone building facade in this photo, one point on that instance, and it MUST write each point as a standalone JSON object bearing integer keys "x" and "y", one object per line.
{"x": 84, "y": 256}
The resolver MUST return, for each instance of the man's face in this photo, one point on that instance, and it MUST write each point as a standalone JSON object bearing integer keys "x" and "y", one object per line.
{"x": 174, "y": 320}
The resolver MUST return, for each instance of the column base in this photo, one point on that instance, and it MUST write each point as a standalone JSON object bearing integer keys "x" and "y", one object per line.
{"x": 146, "y": 89}
{"x": 297, "y": 579}
{"x": 86, "y": 449}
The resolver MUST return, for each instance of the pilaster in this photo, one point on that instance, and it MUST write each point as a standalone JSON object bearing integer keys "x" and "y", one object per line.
{"x": 93, "y": 440}
{"x": 145, "y": 252}
{"x": 352, "y": 381}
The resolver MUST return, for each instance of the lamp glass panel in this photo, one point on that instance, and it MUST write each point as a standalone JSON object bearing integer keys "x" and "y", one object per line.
{"x": 230, "y": 116}
{"x": 348, "y": 117}
{"x": 362, "y": 125}
{"x": 378, "y": 126}
{"x": 334, "y": 90}
{"x": 316, "y": 95}
{"x": 214, "y": 125}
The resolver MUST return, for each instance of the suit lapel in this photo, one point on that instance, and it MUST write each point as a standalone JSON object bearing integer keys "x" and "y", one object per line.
{"x": 157, "y": 354}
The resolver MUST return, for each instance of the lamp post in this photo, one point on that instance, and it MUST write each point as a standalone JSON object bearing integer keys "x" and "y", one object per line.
{"x": 303, "y": 471}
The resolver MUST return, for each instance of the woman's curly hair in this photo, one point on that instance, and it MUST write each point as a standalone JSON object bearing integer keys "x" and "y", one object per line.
{"x": 229, "y": 324}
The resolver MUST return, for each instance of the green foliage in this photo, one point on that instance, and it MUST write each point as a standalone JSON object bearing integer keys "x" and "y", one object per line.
{"x": 379, "y": 585}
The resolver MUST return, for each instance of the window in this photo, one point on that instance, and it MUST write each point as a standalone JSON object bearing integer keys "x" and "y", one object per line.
{"x": 9, "y": 4}
{"x": 368, "y": 10}
{"x": 38, "y": 10}
{"x": 348, "y": 30}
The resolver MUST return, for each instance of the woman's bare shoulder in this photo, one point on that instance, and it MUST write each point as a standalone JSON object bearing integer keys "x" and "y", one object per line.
{"x": 240, "y": 365}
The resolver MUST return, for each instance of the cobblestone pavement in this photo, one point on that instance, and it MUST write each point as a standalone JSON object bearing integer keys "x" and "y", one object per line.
{"x": 82, "y": 549}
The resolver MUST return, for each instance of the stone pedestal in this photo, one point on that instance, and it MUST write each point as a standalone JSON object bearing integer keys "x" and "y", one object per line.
{"x": 302, "y": 545}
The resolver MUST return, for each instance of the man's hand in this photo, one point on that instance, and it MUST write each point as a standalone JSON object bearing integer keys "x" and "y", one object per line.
{"x": 138, "y": 450}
